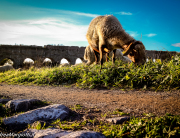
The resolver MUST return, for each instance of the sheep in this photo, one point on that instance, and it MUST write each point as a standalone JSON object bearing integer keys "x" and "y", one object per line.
{"x": 119, "y": 55}
{"x": 79, "y": 64}
{"x": 106, "y": 34}
{"x": 19, "y": 69}
{"x": 6, "y": 67}
{"x": 89, "y": 56}
{"x": 65, "y": 65}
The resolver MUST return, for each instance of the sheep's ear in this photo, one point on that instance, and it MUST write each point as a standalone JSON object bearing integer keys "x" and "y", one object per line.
{"x": 128, "y": 49}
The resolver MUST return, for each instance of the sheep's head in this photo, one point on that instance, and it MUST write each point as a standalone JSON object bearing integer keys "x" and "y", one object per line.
{"x": 136, "y": 52}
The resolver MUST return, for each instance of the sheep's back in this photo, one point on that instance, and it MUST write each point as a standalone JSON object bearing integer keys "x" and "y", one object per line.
{"x": 110, "y": 27}
{"x": 92, "y": 27}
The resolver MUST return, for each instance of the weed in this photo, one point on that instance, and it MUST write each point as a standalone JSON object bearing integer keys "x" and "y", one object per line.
{"x": 76, "y": 107}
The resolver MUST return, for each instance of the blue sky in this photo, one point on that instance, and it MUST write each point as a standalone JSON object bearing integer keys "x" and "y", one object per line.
{"x": 42, "y": 22}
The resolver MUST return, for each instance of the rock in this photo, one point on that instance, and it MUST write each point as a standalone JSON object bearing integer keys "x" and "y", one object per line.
{"x": 84, "y": 134}
{"x": 58, "y": 133}
{"x": 118, "y": 120}
{"x": 3, "y": 101}
{"x": 21, "y": 105}
{"x": 50, "y": 112}
{"x": 46, "y": 133}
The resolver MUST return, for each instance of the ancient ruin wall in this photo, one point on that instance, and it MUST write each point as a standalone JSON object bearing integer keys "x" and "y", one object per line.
{"x": 38, "y": 53}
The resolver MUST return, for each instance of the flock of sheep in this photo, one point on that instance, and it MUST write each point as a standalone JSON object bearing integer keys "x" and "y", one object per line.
{"x": 107, "y": 38}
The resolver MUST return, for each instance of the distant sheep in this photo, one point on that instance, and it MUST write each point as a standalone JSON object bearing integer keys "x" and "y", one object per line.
{"x": 65, "y": 65}
{"x": 6, "y": 68}
{"x": 90, "y": 57}
{"x": 19, "y": 69}
{"x": 79, "y": 64}
{"x": 105, "y": 34}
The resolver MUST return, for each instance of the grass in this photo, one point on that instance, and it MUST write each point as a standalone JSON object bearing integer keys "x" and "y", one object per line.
{"x": 152, "y": 75}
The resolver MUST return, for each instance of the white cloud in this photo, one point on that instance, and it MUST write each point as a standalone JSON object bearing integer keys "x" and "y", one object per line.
{"x": 132, "y": 33}
{"x": 56, "y": 12}
{"x": 150, "y": 35}
{"x": 41, "y": 32}
{"x": 124, "y": 13}
{"x": 176, "y": 44}
{"x": 82, "y": 14}
{"x": 46, "y": 26}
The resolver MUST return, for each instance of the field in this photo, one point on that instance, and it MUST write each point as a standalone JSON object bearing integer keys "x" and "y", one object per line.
{"x": 153, "y": 76}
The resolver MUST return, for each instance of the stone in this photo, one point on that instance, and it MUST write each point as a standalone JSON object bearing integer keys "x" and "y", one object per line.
{"x": 46, "y": 133}
{"x": 19, "y": 53}
{"x": 21, "y": 104}
{"x": 4, "y": 101}
{"x": 58, "y": 133}
{"x": 51, "y": 112}
{"x": 84, "y": 134}
{"x": 118, "y": 120}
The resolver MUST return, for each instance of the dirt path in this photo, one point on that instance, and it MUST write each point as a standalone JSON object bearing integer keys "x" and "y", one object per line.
{"x": 134, "y": 102}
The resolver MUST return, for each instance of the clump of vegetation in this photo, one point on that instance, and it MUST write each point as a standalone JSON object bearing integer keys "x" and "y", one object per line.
{"x": 154, "y": 75}
{"x": 165, "y": 127}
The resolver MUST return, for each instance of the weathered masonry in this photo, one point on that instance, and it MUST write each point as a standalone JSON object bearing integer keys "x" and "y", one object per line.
{"x": 38, "y": 53}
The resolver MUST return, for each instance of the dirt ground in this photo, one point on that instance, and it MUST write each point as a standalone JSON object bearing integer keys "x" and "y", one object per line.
{"x": 134, "y": 102}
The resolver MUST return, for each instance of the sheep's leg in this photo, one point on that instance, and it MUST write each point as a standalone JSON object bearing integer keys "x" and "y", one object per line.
{"x": 96, "y": 56}
{"x": 113, "y": 56}
{"x": 107, "y": 57}
{"x": 101, "y": 47}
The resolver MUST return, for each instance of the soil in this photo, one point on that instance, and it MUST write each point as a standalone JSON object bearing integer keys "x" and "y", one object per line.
{"x": 135, "y": 102}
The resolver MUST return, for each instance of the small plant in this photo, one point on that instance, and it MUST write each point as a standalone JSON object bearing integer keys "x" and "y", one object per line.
{"x": 77, "y": 107}
{"x": 37, "y": 125}
{"x": 117, "y": 112}
{"x": 104, "y": 115}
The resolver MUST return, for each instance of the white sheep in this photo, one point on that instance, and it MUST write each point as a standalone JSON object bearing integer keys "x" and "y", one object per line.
{"x": 90, "y": 57}
{"x": 65, "y": 65}
{"x": 78, "y": 64}
{"x": 6, "y": 68}
{"x": 106, "y": 34}
{"x": 119, "y": 55}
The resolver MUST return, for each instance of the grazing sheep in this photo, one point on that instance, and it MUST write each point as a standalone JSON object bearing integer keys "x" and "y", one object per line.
{"x": 119, "y": 55}
{"x": 105, "y": 34}
{"x": 6, "y": 67}
{"x": 65, "y": 65}
{"x": 89, "y": 56}
{"x": 78, "y": 64}
{"x": 19, "y": 69}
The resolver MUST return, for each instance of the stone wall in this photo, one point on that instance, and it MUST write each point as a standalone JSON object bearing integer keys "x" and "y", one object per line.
{"x": 38, "y": 53}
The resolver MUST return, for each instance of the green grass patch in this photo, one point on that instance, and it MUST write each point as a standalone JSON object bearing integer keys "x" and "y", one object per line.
{"x": 152, "y": 75}
{"x": 161, "y": 127}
